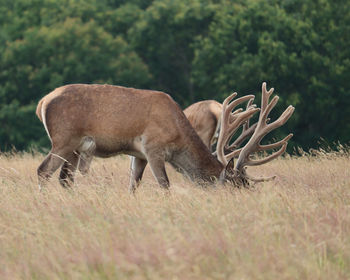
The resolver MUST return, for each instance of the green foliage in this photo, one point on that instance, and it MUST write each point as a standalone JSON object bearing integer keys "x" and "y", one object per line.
{"x": 69, "y": 52}
{"x": 198, "y": 49}
{"x": 48, "y": 57}
{"x": 20, "y": 125}
{"x": 164, "y": 36}
{"x": 296, "y": 52}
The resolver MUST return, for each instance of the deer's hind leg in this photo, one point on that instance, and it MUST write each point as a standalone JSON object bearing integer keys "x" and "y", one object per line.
{"x": 62, "y": 153}
{"x": 68, "y": 169}
{"x": 50, "y": 164}
{"x": 80, "y": 159}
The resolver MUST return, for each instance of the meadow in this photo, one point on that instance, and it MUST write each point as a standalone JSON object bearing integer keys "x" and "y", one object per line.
{"x": 296, "y": 227}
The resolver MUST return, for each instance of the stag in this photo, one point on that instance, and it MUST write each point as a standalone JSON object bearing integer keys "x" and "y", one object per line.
{"x": 106, "y": 120}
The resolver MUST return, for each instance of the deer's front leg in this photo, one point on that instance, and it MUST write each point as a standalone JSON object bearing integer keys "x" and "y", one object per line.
{"x": 157, "y": 165}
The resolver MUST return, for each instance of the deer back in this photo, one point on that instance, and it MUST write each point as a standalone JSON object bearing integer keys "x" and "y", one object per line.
{"x": 125, "y": 120}
{"x": 204, "y": 117}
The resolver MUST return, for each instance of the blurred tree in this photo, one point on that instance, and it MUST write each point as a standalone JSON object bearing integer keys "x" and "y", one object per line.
{"x": 326, "y": 70}
{"x": 69, "y": 52}
{"x": 114, "y": 16}
{"x": 199, "y": 49}
{"x": 163, "y": 37}
{"x": 19, "y": 127}
{"x": 259, "y": 41}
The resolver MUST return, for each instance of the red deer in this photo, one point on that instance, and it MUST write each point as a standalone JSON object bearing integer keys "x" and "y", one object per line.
{"x": 204, "y": 116}
{"x": 106, "y": 120}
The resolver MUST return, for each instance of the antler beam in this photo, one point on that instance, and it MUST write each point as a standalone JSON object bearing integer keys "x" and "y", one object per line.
{"x": 262, "y": 129}
{"x": 230, "y": 122}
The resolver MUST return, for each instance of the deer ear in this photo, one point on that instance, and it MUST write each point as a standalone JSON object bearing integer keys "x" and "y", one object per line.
{"x": 231, "y": 165}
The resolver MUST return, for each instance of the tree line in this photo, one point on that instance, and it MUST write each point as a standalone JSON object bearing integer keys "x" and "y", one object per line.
{"x": 191, "y": 49}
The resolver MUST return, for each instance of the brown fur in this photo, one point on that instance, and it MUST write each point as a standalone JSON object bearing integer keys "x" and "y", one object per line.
{"x": 204, "y": 117}
{"x": 38, "y": 109}
{"x": 146, "y": 124}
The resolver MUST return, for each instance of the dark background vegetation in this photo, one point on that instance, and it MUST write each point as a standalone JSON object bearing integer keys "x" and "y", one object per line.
{"x": 193, "y": 50}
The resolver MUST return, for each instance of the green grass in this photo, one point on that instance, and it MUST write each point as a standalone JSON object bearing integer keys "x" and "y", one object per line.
{"x": 297, "y": 227}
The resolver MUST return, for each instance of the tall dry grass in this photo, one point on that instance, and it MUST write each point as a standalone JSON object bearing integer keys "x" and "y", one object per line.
{"x": 297, "y": 227}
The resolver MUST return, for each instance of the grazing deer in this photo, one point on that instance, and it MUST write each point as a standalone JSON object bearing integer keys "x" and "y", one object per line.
{"x": 204, "y": 116}
{"x": 106, "y": 120}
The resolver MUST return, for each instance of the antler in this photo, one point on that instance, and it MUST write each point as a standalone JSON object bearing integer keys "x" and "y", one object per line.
{"x": 262, "y": 129}
{"x": 230, "y": 122}
{"x": 247, "y": 130}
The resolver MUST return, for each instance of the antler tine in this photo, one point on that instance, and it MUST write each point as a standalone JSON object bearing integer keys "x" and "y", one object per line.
{"x": 228, "y": 99}
{"x": 268, "y": 158}
{"x": 227, "y": 131}
{"x": 224, "y": 114}
{"x": 246, "y": 130}
{"x": 265, "y": 96}
{"x": 262, "y": 129}
{"x": 245, "y": 124}
{"x": 231, "y": 121}
{"x": 236, "y": 111}
{"x": 277, "y": 144}
{"x": 226, "y": 109}
{"x": 249, "y": 104}
{"x": 240, "y": 118}
{"x": 245, "y": 134}
{"x": 233, "y": 154}
{"x": 238, "y": 101}
{"x": 264, "y": 113}
{"x": 281, "y": 120}
{"x": 262, "y": 147}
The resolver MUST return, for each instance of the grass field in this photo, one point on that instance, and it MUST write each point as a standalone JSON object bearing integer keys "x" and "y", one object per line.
{"x": 297, "y": 227}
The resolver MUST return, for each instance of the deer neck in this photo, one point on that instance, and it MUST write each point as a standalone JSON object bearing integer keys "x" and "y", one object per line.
{"x": 196, "y": 161}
